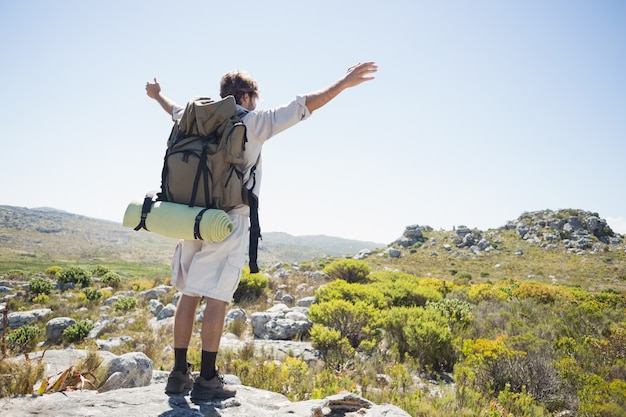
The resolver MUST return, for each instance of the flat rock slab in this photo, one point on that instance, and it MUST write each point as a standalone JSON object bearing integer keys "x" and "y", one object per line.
{"x": 142, "y": 401}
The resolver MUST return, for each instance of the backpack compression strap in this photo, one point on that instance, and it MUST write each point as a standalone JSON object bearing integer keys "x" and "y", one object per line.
{"x": 145, "y": 209}
{"x": 196, "y": 225}
{"x": 255, "y": 228}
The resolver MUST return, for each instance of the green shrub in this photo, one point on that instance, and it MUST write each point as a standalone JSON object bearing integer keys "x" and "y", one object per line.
{"x": 356, "y": 322}
{"x": 250, "y": 287}
{"x": 342, "y": 290}
{"x": 334, "y": 348}
{"x": 39, "y": 285}
{"x": 92, "y": 294}
{"x": 16, "y": 273}
{"x": 125, "y": 304}
{"x": 111, "y": 279}
{"x": 23, "y": 339}
{"x": 53, "y": 271}
{"x": 422, "y": 334}
{"x": 458, "y": 313}
{"x": 99, "y": 271}
{"x": 74, "y": 274}
{"x": 78, "y": 331}
{"x": 407, "y": 292}
{"x": 349, "y": 270}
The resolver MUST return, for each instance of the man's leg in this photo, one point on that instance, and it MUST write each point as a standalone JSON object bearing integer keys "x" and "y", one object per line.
{"x": 212, "y": 328}
{"x": 183, "y": 320}
{"x": 210, "y": 384}
{"x": 180, "y": 378}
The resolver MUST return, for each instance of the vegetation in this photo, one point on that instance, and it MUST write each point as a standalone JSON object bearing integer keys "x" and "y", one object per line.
{"x": 519, "y": 335}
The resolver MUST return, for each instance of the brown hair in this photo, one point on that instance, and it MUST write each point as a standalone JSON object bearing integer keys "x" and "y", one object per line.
{"x": 237, "y": 83}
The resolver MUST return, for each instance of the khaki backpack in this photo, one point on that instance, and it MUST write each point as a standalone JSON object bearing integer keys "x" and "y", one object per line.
{"x": 204, "y": 164}
{"x": 204, "y": 161}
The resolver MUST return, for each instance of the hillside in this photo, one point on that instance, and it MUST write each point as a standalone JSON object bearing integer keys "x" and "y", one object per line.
{"x": 574, "y": 247}
{"x": 527, "y": 316}
{"x": 44, "y": 234}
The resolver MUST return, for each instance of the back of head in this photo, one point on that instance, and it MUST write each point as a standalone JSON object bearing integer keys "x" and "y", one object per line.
{"x": 236, "y": 84}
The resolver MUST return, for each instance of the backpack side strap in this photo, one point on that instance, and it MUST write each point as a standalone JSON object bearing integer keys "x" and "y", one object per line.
{"x": 145, "y": 209}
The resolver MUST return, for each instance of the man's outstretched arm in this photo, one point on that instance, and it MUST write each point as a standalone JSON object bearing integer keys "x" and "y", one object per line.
{"x": 356, "y": 75}
{"x": 153, "y": 90}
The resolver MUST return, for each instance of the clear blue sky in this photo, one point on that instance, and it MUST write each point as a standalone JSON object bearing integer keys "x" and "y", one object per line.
{"x": 480, "y": 111}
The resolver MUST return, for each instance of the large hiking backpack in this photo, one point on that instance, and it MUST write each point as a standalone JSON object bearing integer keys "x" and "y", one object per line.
{"x": 204, "y": 162}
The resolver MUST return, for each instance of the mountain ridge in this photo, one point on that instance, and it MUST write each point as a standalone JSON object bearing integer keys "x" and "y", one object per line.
{"x": 50, "y": 233}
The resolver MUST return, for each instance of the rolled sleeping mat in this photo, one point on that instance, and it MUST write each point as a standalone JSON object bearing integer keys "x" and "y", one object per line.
{"x": 179, "y": 221}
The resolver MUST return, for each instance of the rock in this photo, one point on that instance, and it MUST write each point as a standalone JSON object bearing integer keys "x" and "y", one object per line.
{"x": 22, "y": 318}
{"x": 363, "y": 253}
{"x": 56, "y": 326}
{"x": 280, "y": 323}
{"x": 154, "y": 293}
{"x": 152, "y": 401}
{"x": 235, "y": 314}
{"x": 112, "y": 342}
{"x": 306, "y": 301}
{"x": 167, "y": 311}
{"x": 130, "y": 370}
{"x": 155, "y": 307}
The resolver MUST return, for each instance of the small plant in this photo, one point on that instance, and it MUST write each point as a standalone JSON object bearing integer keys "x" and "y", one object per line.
{"x": 125, "y": 304}
{"x": 92, "y": 294}
{"x": 74, "y": 274}
{"x": 53, "y": 271}
{"x": 23, "y": 339}
{"x": 39, "y": 285}
{"x": 99, "y": 271}
{"x": 16, "y": 273}
{"x": 41, "y": 299}
{"x": 251, "y": 286}
{"x": 111, "y": 279}
{"x": 349, "y": 270}
{"x": 237, "y": 327}
{"x": 77, "y": 331}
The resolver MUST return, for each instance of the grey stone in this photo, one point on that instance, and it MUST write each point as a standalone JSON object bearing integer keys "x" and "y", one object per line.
{"x": 56, "y": 326}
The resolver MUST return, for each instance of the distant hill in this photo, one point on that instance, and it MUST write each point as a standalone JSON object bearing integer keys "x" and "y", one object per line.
{"x": 48, "y": 233}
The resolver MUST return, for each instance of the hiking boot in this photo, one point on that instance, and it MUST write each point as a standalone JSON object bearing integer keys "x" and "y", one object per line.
{"x": 213, "y": 388}
{"x": 178, "y": 382}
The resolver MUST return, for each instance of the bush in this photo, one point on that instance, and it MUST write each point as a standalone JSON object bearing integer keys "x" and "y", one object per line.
{"x": 111, "y": 279}
{"x": 342, "y": 290}
{"x": 356, "y": 322}
{"x": 16, "y": 273}
{"x": 74, "y": 274}
{"x": 125, "y": 304}
{"x": 349, "y": 270}
{"x": 334, "y": 348}
{"x": 251, "y": 286}
{"x": 78, "y": 331}
{"x": 408, "y": 292}
{"x": 53, "y": 271}
{"x": 23, "y": 339}
{"x": 99, "y": 271}
{"x": 92, "y": 294}
{"x": 39, "y": 285}
{"x": 420, "y": 333}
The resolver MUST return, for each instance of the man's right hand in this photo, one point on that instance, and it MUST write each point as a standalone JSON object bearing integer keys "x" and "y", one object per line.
{"x": 153, "y": 89}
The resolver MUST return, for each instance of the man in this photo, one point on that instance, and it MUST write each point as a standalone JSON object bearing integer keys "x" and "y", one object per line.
{"x": 212, "y": 270}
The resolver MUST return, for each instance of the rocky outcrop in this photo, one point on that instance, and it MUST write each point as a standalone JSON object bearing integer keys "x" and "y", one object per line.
{"x": 151, "y": 401}
{"x": 576, "y": 230}
{"x": 144, "y": 395}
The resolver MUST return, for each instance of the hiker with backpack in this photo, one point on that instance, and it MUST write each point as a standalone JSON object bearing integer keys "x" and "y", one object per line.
{"x": 213, "y": 269}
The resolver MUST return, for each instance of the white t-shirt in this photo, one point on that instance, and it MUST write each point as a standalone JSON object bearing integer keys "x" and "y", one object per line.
{"x": 260, "y": 126}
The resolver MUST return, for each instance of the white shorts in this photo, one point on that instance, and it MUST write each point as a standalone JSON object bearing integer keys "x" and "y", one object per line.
{"x": 210, "y": 269}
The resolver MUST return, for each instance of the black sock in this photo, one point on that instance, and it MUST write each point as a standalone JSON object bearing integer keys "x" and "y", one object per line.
{"x": 180, "y": 359}
{"x": 207, "y": 366}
